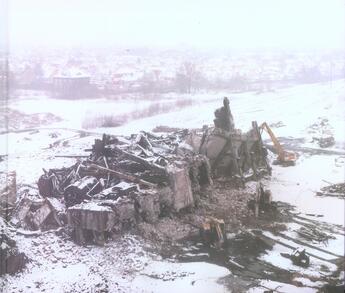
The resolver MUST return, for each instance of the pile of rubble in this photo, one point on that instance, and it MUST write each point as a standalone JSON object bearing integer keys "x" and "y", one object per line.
{"x": 336, "y": 190}
{"x": 11, "y": 260}
{"x": 322, "y": 133}
{"x": 127, "y": 180}
{"x": 140, "y": 178}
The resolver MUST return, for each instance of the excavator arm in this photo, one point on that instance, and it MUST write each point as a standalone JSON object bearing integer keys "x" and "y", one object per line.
{"x": 284, "y": 157}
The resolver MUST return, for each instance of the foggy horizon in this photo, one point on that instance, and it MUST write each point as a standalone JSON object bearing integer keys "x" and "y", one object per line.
{"x": 245, "y": 25}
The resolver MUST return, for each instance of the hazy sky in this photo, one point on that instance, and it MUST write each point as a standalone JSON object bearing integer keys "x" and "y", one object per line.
{"x": 294, "y": 24}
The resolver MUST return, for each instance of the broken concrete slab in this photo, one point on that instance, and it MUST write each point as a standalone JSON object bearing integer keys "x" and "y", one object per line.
{"x": 32, "y": 213}
{"x": 181, "y": 187}
{"x": 21, "y": 211}
{"x": 99, "y": 217}
{"x": 40, "y": 215}
{"x": 51, "y": 210}
{"x": 91, "y": 216}
{"x": 90, "y": 221}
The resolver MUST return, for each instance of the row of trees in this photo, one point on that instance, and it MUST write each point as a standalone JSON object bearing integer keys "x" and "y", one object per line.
{"x": 189, "y": 79}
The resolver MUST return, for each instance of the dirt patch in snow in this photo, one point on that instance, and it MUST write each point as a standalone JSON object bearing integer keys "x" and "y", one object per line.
{"x": 15, "y": 120}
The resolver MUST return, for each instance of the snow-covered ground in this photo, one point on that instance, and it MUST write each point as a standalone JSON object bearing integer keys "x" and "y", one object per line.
{"x": 297, "y": 108}
{"x": 122, "y": 265}
{"x": 298, "y": 186}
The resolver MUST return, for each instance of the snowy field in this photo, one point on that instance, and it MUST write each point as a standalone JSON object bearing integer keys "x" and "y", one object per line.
{"x": 297, "y": 108}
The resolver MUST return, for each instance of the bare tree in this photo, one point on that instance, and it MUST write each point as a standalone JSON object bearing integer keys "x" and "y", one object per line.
{"x": 185, "y": 77}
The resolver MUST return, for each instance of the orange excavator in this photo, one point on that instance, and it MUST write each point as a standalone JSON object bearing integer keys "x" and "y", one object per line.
{"x": 284, "y": 157}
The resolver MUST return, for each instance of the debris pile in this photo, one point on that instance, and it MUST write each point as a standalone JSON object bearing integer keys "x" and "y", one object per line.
{"x": 139, "y": 178}
{"x": 11, "y": 260}
{"x": 124, "y": 181}
{"x": 336, "y": 190}
{"x": 322, "y": 133}
{"x": 314, "y": 235}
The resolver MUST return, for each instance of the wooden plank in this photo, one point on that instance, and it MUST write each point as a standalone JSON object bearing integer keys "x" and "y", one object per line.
{"x": 120, "y": 175}
{"x": 151, "y": 166}
{"x": 307, "y": 244}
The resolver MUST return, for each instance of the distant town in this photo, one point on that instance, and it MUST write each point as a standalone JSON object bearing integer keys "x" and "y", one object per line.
{"x": 75, "y": 74}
